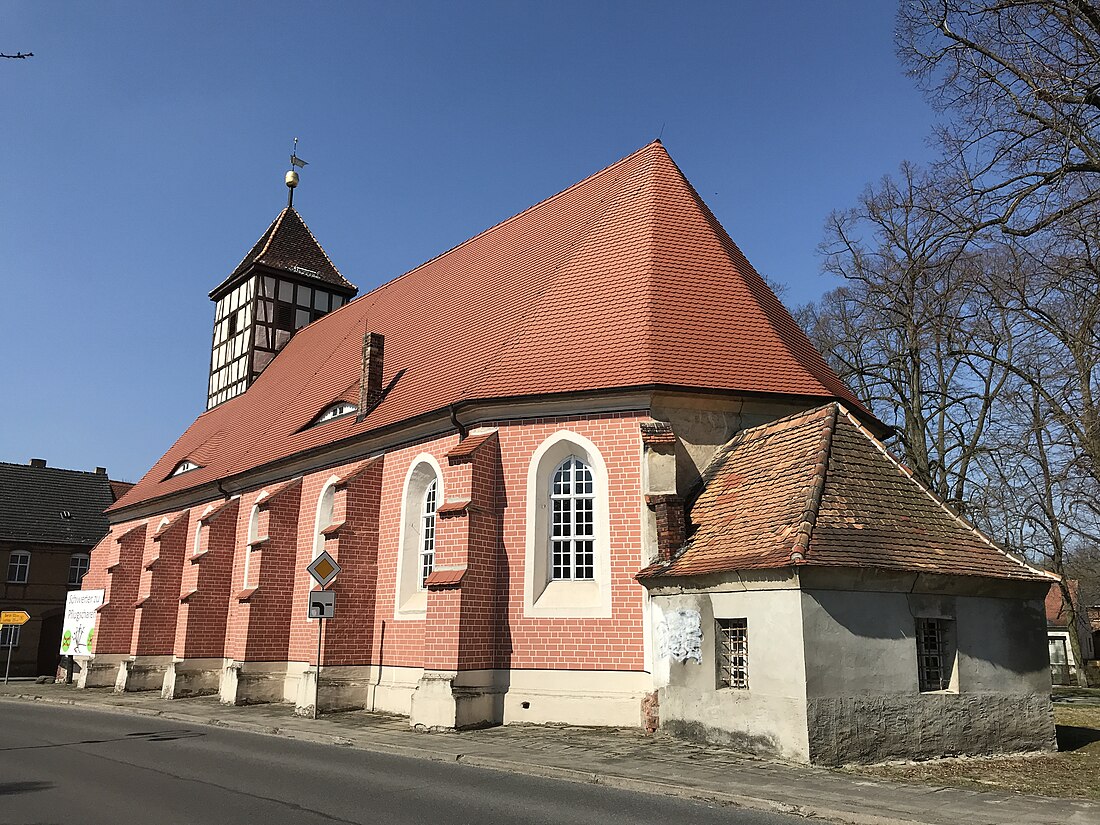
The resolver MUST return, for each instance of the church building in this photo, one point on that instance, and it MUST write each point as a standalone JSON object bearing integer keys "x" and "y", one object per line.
{"x": 582, "y": 468}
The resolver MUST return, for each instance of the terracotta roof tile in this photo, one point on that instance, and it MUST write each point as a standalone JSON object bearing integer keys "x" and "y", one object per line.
{"x": 657, "y": 432}
{"x": 625, "y": 279}
{"x": 818, "y": 489}
{"x": 465, "y": 449}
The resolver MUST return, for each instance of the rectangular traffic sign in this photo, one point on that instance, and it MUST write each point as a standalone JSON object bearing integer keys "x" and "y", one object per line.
{"x": 322, "y": 604}
{"x": 14, "y": 617}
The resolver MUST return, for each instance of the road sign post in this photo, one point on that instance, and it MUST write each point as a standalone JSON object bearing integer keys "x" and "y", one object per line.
{"x": 321, "y": 606}
{"x": 12, "y": 618}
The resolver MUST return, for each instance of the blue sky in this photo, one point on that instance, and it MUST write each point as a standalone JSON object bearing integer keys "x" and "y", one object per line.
{"x": 144, "y": 148}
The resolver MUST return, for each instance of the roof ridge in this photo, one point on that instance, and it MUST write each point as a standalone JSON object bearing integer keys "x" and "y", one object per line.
{"x": 271, "y": 235}
{"x": 313, "y": 238}
{"x": 774, "y": 312}
{"x": 965, "y": 523}
{"x": 817, "y": 487}
{"x": 512, "y": 218}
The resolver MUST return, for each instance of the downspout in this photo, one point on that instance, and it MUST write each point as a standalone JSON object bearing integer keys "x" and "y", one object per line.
{"x": 454, "y": 420}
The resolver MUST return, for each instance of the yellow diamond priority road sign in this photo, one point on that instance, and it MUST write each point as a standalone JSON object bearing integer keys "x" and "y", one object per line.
{"x": 323, "y": 568}
{"x": 14, "y": 617}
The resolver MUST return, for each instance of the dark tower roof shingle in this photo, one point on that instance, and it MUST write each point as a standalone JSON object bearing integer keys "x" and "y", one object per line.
{"x": 288, "y": 245}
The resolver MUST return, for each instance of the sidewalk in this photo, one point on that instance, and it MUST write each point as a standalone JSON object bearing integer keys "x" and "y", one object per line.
{"x": 623, "y": 758}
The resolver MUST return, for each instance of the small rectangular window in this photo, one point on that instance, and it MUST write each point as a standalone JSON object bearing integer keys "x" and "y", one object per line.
{"x": 733, "y": 653}
{"x": 9, "y": 636}
{"x": 935, "y": 654}
{"x": 78, "y": 566}
{"x": 19, "y": 566}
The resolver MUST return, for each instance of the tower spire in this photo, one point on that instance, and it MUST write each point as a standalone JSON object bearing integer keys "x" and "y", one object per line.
{"x": 291, "y": 177}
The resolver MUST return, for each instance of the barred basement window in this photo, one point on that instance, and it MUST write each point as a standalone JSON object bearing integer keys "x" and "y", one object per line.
{"x": 572, "y": 538}
{"x": 935, "y": 658}
{"x": 733, "y": 652}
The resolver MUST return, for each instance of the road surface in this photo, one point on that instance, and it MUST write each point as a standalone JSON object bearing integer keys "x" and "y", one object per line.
{"x": 60, "y": 764}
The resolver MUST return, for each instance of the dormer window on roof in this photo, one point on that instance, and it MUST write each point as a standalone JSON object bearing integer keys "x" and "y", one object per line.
{"x": 337, "y": 410}
{"x": 185, "y": 466}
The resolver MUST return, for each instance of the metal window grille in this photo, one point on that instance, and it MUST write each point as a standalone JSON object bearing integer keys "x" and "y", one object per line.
{"x": 572, "y": 528}
{"x": 78, "y": 566}
{"x": 19, "y": 567}
{"x": 733, "y": 653}
{"x": 427, "y": 535}
{"x": 9, "y": 636}
{"x": 933, "y": 671}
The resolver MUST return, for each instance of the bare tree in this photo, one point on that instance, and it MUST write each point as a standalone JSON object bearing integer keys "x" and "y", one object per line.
{"x": 1019, "y": 81}
{"x": 902, "y": 329}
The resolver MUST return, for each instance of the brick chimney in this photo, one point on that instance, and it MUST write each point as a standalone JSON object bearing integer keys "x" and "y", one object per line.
{"x": 38, "y": 462}
{"x": 671, "y": 524}
{"x": 370, "y": 381}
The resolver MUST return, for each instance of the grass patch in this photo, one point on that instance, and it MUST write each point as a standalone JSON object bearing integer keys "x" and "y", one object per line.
{"x": 1072, "y": 772}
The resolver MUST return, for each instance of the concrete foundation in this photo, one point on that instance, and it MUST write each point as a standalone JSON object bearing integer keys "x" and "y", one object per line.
{"x": 191, "y": 677}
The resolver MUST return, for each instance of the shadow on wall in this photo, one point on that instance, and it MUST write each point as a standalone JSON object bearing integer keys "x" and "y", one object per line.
{"x": 1004, "y": 634}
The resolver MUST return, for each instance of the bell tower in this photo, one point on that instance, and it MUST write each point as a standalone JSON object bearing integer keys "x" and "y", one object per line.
{"x": 284, "y": 282}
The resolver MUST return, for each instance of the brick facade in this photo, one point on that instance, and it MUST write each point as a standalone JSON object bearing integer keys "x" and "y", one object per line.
{"x": 179, "y": 588}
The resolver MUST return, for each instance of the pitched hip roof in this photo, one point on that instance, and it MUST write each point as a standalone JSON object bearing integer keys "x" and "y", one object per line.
{"x": 818, "y": 489}
{"x": 288, "y": 245}
{"x": 623, "y": 280}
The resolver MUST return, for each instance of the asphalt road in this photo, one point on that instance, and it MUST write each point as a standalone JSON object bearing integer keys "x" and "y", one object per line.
{"x": 69, "y": 765}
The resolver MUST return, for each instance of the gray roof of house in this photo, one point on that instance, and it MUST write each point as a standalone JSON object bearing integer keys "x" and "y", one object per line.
{"x": 33, "y": 501}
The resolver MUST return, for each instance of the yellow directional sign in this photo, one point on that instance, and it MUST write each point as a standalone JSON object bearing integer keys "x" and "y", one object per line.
{"x": 14, "y": 617}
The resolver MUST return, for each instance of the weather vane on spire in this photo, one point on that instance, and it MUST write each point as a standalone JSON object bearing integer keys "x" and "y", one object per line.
{"x": 292, "y": 175}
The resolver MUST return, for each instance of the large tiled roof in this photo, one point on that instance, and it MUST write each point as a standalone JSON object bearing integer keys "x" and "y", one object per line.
{"x": 818, "y": 489}
{"x": 34, "y": 499}
{"x": 288, "y": 245}
{"x": 623, "y": 280}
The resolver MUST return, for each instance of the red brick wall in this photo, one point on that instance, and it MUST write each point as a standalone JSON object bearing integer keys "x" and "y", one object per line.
{"x": 159, "y": 590}
{"x": 207, "y": 584}
{"x": 492, "y": 631}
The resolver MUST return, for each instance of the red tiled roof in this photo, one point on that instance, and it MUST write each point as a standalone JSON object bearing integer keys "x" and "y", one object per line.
{"x": 288, "y": 245}
{"x": 623, "y": 280}
{"x": 818, "y": 489}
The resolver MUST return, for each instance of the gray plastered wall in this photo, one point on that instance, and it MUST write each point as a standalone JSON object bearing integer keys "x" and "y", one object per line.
{"x": 833, "y": 667}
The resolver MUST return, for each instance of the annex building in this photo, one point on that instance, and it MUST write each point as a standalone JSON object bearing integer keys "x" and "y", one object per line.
{"x": 582, "y": 468}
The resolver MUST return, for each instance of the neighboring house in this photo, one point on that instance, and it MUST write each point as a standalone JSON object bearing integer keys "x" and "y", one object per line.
{"x": 49, "y": 521}
{"x": 499, "y": 448}
{"x": 1063, "y": 664}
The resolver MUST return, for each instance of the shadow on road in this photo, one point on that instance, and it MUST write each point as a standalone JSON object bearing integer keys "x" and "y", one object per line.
{"x": 144, "y": 736}
{"x": 12, "y": 788}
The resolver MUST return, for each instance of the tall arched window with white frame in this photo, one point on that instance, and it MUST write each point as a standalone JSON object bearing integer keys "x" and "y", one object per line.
{"x": 572, "y": 527}
{"x": 253, "y": 535}
{"x": 325, "y": 508}
{"x": 427, "y": 534}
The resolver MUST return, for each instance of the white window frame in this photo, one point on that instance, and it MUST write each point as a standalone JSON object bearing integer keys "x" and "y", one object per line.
{"x": 185, "y": 466}
{"x": 337, "y": 410}
{"x": 9, "y": 636}
{"x": 568, "y": 534}
{"x": 326, "y": 509}
{"x": 410, "y": 599}
{"x": 75, "y": 564}
{"x": 544, "y": 596}
{"x": 426, "y": 556}
{"x": 253, "y": 534}
{"x": 19, "y": 567}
